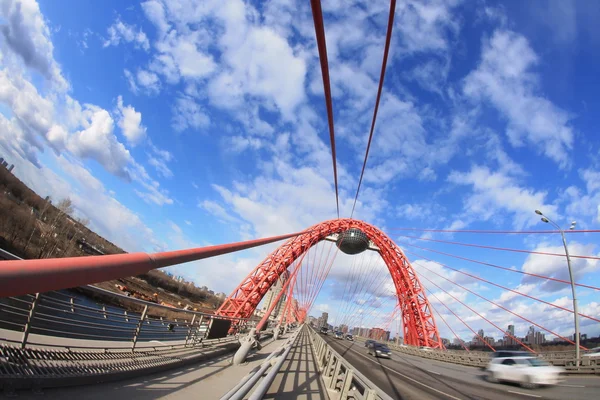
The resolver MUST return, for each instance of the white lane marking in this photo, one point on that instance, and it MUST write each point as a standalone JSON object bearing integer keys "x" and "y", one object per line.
{"x": 433, "y": 372}
{"x": 577, "y": 386}
{"x": 408, "y": 377}
{"x": 524, "y": 394}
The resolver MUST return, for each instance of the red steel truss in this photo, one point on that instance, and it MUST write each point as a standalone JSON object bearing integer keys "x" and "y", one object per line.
{"x": 419, "y": 324}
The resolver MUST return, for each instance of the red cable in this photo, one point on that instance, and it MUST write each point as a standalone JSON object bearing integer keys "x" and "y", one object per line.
{"x": 456, "y": 315}
{"x": 324, "y": 278}
{"x": 318, "y": 278}
{"x": 481, "y": 316}
{"x": 500, "y": 286}
{"x": 492, "y": 232}
{"x": 314, "y": 273}
{"x": 322, "y": 45}
{"x": 452, "y": 330}
{"x": 500, "y": 267}
{"x": 500, "y": 248}
{"x": 388, "y": 39}
{"x": 499, "y": 306}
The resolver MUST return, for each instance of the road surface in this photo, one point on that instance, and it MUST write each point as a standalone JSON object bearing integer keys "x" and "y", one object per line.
{"x": 410, "y": 377}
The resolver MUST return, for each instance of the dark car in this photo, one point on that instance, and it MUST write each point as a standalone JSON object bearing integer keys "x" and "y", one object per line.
{"x": 510, "y": 353}
{"x": 368, "y": 342}
{"x": 324, "y": 331}
{"x": 349, "y": 337}
{"x": 379, "y": 350}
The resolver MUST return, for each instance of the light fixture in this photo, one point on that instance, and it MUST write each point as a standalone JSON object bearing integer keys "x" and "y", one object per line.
{"x": 545, "y": 219}
{"x": 538, "y": 212}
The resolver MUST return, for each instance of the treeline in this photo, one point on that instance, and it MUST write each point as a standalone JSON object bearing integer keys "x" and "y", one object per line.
{"x": 188, "y": 290}
{"x": 33, "y": 227}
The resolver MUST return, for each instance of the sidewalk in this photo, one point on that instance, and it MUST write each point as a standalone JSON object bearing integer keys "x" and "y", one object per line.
{"x": 298, "y": 377}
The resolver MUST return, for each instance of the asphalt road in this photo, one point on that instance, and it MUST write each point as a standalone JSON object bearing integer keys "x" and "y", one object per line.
{"x": 410, "y": 377}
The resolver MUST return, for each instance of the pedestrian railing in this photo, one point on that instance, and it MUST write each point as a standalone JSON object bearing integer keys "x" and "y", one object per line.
{"x": 260, "y": 378}
{"x": 339, "y": 375}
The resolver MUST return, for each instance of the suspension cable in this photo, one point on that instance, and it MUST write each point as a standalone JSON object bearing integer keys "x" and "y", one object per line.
{"x": 500, "y": 286}
{"x": 388, "y": 39}
{"x": 500, "y": 248}
{"x": 322, "y": 45}
{"x": 499, "y": 266}
{"x": 457, "y": 316}
{"x": 449, "y": 327}
{"x": 480, "y": 316}
{"x": 494, "y": 232}
{"x": 499, "y": 306}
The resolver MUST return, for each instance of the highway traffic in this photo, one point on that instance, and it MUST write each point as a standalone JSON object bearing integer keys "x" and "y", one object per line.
{"x": 409, "y": 377}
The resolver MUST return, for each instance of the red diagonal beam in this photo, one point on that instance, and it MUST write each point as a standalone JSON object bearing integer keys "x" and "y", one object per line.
{"x": 20, "y": 277}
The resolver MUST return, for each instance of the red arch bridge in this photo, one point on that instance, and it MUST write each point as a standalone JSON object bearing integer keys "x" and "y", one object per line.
{"x": 91, "y": 341}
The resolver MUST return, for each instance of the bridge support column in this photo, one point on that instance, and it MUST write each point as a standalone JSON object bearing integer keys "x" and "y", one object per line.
{"x": 246, "y": 345}
{"x": 276, "y": 332}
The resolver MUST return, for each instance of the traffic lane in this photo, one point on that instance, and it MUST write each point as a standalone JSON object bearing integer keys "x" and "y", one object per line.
{"x": 574, "y": 387}
{"x": 470, "y": 385}
{"x": 444, "y": 367}
{"x": 403, "y": 384}
{"x": 571, "y": 381}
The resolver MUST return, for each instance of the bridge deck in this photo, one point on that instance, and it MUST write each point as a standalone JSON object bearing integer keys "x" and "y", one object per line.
{"x": 298, "y": 377}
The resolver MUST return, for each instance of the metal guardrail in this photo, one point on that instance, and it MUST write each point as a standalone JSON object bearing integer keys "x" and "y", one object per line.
{"x": 339, "y": 375}
{"x": 269, "y": 368}
{"x": 61, "y": 338}
{"x": 481, "y": 359}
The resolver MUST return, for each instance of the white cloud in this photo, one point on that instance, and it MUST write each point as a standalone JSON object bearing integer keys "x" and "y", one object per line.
{"x": 187, "y": 113}
{"x": 27, "y": 35}
{"x": 130, "y": 122}
{"x": 159, "y": 159}
{"x": 120, "y": 31}
{"x": 97, "y": 141}
{"x": 556, "y": 267}
{"x": 504, "y": 78}
{"x": 493, "y": 191}
{"x": 425, "y": 26}
{"x": 148, "y": 80}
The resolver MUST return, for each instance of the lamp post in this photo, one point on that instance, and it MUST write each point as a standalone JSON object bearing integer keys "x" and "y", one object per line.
{"x": 575, "y": 311}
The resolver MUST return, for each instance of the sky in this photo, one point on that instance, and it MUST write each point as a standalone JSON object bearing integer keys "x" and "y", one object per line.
{"x": 177, "y": 124}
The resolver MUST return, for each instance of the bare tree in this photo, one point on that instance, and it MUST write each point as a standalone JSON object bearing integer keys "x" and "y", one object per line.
{"x": 65, "y": 206}
{"x": 83, "y": 221}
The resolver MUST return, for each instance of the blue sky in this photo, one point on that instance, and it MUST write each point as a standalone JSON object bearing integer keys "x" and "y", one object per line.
{"x": 178, "y": 124}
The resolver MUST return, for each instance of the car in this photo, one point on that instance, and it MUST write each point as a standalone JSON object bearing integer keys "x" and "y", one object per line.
{"x": 349, "y": 337}
{"x": 379, "y": 350}
{"x": 323, "y": 331}
{"x": 368, "y": 342}
{"x": 425, "y": 348}
{"x": 339, "y": 335}
{"x": 528, "y": 371}
{"x": 510, "y": 353}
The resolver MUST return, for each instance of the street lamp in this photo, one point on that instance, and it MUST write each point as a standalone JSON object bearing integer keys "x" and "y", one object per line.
{"x": 575, "y": 312}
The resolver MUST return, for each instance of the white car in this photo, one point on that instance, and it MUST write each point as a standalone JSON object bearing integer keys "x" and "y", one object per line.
{"x": 530, "y": 372}
{"x": 593, "y": 355}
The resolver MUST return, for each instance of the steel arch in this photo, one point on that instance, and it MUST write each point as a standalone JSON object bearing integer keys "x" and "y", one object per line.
{"x": 419, "y": 324}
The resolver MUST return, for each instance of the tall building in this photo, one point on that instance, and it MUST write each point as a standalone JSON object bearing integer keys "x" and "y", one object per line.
{"x": 534, "y": 337}
{"x": 322, "y": 321}
{"x": 509, "y": 338}
{"x": 343, "y": 328}
{"x": 272, "y": 295}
